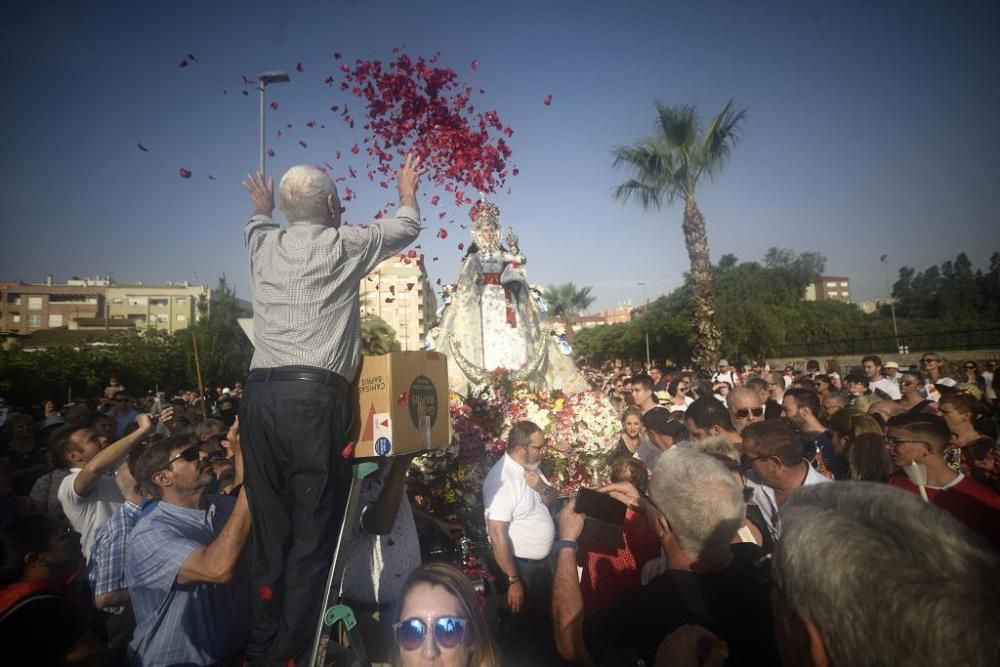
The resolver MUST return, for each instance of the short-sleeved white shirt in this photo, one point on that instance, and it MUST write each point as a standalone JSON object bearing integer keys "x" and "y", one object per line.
{"x": 508, "y": 498}
{"x": 888, "y": 386}
{"x": 88, "y": 513}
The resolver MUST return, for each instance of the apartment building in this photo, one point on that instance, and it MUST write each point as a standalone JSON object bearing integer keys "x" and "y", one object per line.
{"x": 400, "y": 293}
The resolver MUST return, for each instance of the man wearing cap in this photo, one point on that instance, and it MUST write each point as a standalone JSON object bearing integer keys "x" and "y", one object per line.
{"x": 727, "y": 374}
{"x": 872, "y": 366}
{"x": 664, "y": 430}
{"x": 296, "y": 414}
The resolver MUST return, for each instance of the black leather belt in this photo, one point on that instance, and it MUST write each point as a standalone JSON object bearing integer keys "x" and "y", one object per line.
{"x": 303, "y": 374}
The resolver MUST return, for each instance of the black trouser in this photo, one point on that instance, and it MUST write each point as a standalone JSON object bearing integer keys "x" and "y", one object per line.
{"x": 293, "y": 433}
{"x": 527, "y": 637}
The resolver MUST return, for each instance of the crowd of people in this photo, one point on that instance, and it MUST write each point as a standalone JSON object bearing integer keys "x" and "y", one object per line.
{"x": 124, "y": 529}
{"x": 753, "y": 517}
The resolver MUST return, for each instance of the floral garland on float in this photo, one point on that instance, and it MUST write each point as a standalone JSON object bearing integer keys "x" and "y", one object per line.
{"x": 582, "y": 428}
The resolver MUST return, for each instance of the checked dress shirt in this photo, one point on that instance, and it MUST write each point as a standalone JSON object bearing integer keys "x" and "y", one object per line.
{"x": 107, "y": 558}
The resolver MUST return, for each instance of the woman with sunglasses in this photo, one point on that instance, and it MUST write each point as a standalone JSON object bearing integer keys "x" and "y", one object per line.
{"x": 441, "y": 622}
{"x": 678, "y": 389}
{"x": 910, "y": 385}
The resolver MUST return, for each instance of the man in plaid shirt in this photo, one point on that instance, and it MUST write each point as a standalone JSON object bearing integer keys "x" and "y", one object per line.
{"x": 107, "y": 559}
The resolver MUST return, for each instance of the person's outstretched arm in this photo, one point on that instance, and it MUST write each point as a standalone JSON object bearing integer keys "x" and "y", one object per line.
{"x": 108, "y": 457}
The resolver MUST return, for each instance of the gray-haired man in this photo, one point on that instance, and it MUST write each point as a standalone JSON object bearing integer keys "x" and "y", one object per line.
{"x": 295, "y": 412}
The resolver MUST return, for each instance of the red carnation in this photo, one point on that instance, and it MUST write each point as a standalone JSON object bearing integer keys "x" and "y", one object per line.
{"x": 184, "y": 173}
{"x": 548, "y": 100}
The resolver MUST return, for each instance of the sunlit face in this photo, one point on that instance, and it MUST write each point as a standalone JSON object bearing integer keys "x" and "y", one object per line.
{"x": 909, "y": 385}
{"x": 872, "y": 370}
{"x": 764, "y": 468}
{"x": 791, "y": 413}
{"x": 696, "y": 433}
{"x": 903, "y": 449}
{"x": 633, "y": 424}
{"x": 86, "y": 445}
{"x": 429, "y": 603}
{"x": 640, "y": 393}
{"x": 745, "y": 403}
{"x": 535, "y": 449}
{"x": 655, "y": 374}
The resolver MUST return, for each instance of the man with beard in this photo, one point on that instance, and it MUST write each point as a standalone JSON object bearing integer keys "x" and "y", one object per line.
{"x": 191, "y": 602}
{"x": 516, "y": 497}
{"x": 801, "y": 410}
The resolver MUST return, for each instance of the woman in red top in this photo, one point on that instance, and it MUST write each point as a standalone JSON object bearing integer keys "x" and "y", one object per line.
{"x": 608, "y": 572}
{"x": 970, "y": 452}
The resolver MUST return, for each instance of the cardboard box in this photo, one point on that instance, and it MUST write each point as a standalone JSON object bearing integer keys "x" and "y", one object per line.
{"x": 403, "y": 404}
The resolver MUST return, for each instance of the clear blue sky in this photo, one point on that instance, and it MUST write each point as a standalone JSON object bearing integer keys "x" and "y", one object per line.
{"x": 871, "y": 129}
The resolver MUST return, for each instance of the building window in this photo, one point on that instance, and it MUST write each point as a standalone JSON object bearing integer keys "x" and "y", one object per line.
{"x": 159, "y": 302}
{"x": 138, "y": 301}
{"x": 182, "y": 299}
{"x": 14, "y": 299}
{"x": 182, "y": 318}
{"x": 55, "y": 320}
{"x": 117, "y": 302}
{"x": 843, "y": 283}
{"x": 831, "y": 285}
{"x": 15, "y": 318}
{"x": 35, "y": 321}
{"x": 34, "y": 303}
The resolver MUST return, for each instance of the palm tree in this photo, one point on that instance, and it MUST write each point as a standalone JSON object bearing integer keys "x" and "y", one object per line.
{"x": 377, "y": 337}
{"x": 566, "y": 301}
{"x": 667, "y": 167}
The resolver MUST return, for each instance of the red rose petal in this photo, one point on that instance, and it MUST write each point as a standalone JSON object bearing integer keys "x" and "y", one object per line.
{"x": 475, "y": 65}
{"x": 274, "y": 105}
{"x": 184, "y": 173}
{"x": 192, "y": 58}
{"x": 435, "y": 199}
{"x": 402, "y": 399}
{"x": 211, "y": 178}
{"x": 270, "y": 152}
{"x": 442, "y": 233}
{"x": 355, "y": 149}
{"x": 548, "y": 100}
{"x": 142, "y": 148}
{"x": 303, "y": 144}
{"x": 266, "y": 593}
{"x": 411, "y": 253}
{"x": 461, "y": 246}
{"x": 300, "y": 68}
{"x": 442, "y": 214}
{"x": 337, "y": 56}
{"x": 183, "y": 63}
{"x": 311, "y": 123}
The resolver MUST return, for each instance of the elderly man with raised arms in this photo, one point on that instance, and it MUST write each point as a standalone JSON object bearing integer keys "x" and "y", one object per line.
{"x": 296, "y": 414}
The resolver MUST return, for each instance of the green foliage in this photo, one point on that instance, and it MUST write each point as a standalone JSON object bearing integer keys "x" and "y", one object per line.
{"x": 761, "y": 313}
{"x": 952, "y": 291}
{"x": 377, "y": 337}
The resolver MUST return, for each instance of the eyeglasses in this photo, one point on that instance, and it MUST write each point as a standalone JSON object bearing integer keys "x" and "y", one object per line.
{"x": 192, "y": 453}
{"x": 970, "y": 367}
{"x": 743, "y": 413}
{"x": 747, "y": 461}
{"x": 449, "y": 631}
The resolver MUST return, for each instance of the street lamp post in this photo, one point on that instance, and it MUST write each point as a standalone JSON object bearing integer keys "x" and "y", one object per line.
{"x": 645, "y": 331}
{"x": 892, "y": 302}
{"x": 263, "y": 79}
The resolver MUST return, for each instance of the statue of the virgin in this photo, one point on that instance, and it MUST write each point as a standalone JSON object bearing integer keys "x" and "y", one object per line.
{"x": 491, "y": 317}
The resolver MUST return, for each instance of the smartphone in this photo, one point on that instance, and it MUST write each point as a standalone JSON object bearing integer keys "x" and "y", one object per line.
{"x": 600, "y": 506}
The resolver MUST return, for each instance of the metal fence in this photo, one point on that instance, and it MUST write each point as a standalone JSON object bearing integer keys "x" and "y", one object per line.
{"x": 963, "y": 339}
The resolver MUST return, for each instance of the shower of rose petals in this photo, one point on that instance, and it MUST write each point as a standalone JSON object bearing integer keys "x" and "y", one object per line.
{"x": 192, "y": 58}
{"x": 303, "y": 144}
{"x": 351, "y": 172}
{"x": 389, "y": 299}
{"x": 355, "y": 149}
{"x": 435, "y": 199}
{"x": 442, "y": 214}
{"x": 475, "y": 65}
{"x": 184, "y": 173}
{"x": 245, "y": 93}
{"x": 515, "y": 171}
{"x": 413, "y": 106}
{"x": 548, "y": 100}
{"x": 279, "y": 134}
{"x": 225, "y": 92}
{"x": 392, "y": 289}
{"x": 300, "y": 68}
{"x": 337, "y": 56}
{"x": 211, "y": 178}
{"x": 411, "y": 253}
{"x": 248, "y": 82}
{"x": 338, "y": 155}
{"x": 461, "y": 246}
{"x": 442, "y": 233}
{"x": 274, "y": 105}
{"x": 142, "y": 148}
{"x": 311, "y": 123}
{"x": 183, "y": 63}
{"x": 270, "y": 152}
{"x": 328, "y": 165}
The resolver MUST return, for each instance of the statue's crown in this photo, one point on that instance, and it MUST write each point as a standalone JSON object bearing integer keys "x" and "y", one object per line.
{"x": 485, "y": 212}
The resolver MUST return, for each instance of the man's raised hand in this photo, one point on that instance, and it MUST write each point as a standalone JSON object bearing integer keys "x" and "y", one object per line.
{"x": 261, "y": 193}
{"x": 409, "y": 179}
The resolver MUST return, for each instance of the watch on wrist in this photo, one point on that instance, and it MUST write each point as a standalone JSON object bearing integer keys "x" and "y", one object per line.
{"x": 513, "y": 579}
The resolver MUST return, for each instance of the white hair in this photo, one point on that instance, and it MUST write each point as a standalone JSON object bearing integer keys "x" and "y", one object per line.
{"x": 303, "y": 193}
{"x": 701, "y": 500}
{"x": 887, "y": 578}
{"x": 719, "y": 445}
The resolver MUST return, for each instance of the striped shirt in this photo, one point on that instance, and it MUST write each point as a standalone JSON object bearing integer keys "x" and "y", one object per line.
{"x": 107, "y": 557}
{"x": 304, "y": 282}
{"x": 182, "y": 624}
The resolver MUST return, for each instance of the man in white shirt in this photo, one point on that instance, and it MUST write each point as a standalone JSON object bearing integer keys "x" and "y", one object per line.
{"x": 516, "y": 496}
{"x": 89, "y": 495}
{"x": 873, "y": 369}
{"x": 772, "y": 457}
{"x": 726, "y": 374}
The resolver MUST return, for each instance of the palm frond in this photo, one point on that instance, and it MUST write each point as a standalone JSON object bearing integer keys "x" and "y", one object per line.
{"x": 647, "y": 195}
{"x": 655, "y": 173}
{"x": 677, "y": 125}
{"x": 721, "y": 136}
